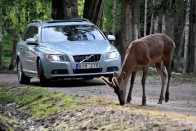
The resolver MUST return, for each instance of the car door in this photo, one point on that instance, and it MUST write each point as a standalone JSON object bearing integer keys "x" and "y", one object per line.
{"x": 29, "y": 50}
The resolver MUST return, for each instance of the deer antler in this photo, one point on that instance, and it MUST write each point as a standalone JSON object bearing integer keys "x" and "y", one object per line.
{"x": 115, "y": 81}
{"x": 105, "y": 80}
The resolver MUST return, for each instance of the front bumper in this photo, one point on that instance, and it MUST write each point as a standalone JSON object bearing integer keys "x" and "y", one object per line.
{"x": 64, "y": 69}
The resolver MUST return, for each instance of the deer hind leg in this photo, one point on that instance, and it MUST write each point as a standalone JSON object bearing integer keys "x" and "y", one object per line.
{"x": 167, "y": 64}
{"x": 163, "y": 77}
{"x": 129, "y": 97}
{"x": 145, "y": 72}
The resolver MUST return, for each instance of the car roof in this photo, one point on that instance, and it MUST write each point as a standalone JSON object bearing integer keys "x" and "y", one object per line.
{"x": 74, "y": 21}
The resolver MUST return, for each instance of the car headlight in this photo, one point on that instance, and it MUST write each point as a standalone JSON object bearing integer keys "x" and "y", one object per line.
{"x": 112, "y": 55}
{"x": 55, "y": 57}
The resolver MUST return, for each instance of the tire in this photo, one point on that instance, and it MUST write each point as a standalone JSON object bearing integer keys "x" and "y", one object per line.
{"x": 22, "y": 79}
{"x": 42, "y": 79}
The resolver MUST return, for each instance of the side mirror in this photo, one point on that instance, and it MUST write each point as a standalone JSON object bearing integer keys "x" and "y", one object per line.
{"x": 111, "y": 38}
{"x": 31, "y": 41}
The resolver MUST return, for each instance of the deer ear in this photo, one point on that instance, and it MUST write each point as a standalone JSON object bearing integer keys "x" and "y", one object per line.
{"x": 105, "y": 80}
{"x": 123, "y": 75}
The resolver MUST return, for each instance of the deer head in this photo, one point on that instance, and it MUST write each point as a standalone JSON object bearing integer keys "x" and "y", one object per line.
{"x": 118, "y": 84}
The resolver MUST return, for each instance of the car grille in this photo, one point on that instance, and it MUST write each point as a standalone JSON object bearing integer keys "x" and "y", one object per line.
{"x": 87, "y": 58}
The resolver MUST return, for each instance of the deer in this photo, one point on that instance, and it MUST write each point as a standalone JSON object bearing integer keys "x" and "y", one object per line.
{"x": 155, "y": 49}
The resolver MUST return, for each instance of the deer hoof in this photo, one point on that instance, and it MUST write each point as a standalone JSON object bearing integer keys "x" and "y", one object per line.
{"x": 166, "y": 97}
{"x": 160, "y": 102}
{"x": 128, "y": 100}
{"x": 144, "y": 103}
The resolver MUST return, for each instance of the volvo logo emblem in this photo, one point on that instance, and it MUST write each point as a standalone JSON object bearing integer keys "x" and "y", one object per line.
{"x": 87, "y": 57}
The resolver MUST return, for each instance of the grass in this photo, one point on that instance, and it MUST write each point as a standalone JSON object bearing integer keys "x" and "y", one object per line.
{"x": 37, "y": 102}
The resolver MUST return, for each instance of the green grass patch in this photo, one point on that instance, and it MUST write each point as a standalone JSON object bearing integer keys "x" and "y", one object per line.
{"x": 37, "y": 102}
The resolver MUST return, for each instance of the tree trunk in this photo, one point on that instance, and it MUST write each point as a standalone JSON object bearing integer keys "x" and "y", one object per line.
{"x": 94, "y": 11}
{"x": 156, "y": 21}
{"x": 145, "y": 17}
{"x": 129, "y": 24}
{"x": 152, "y": 24}
{"x": 16, "y": 36}
{"x": 114, "y": 17}
{"x": 163, "y": 27}
{"x": 13, "y": 56}
{"x": 170, "y": 19}
{"x": 192, "y": 39}
{"x": 64, "y": 9}
{"x": 170, "y": 27}
{"x": 1, "y": 61}
{"x": 181, "y": 46}
{"x": 186, "y": 36}
{"x": 152, "y": 19}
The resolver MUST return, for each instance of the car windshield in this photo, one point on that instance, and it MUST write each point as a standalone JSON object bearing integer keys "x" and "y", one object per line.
{"x": 71, "y": 33}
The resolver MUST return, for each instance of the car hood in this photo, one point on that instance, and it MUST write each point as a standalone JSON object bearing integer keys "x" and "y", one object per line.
{"x": 79, "y": 47}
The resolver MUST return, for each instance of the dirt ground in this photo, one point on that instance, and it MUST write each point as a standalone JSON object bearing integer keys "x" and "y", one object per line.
{"x": 182, "y": 91}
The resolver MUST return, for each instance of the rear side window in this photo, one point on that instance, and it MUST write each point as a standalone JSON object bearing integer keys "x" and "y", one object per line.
{"x": 31, "y": 32}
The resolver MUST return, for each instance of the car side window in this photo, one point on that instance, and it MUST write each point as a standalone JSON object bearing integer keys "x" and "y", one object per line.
{"x": 31, "y": 32}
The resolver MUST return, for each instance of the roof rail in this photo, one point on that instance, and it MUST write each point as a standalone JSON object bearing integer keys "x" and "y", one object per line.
{"x": 35, "y": 21}
{"x": 69, "y": 20}
{"x": 82, "y": 19}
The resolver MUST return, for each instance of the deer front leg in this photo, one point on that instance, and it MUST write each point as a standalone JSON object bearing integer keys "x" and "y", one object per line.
{"x": 129, "y": 97}
{"x": 145, "y": 71}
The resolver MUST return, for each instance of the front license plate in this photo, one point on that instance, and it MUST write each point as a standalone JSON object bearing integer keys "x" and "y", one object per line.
{"x": 87, "y": 66}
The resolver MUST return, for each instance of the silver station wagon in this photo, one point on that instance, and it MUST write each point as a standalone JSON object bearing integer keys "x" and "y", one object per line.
{"x": 61, "y": 49}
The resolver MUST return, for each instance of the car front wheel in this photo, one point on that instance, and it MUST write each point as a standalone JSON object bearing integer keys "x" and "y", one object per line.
{"x": 22, "y": 79}
{"x": 42, "y": 79}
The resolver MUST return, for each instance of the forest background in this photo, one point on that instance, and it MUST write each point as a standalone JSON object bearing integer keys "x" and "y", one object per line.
{"x": 126, "y": 19}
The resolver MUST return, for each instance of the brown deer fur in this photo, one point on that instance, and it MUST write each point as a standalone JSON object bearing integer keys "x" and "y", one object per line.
{"x": 154, "y": 49}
